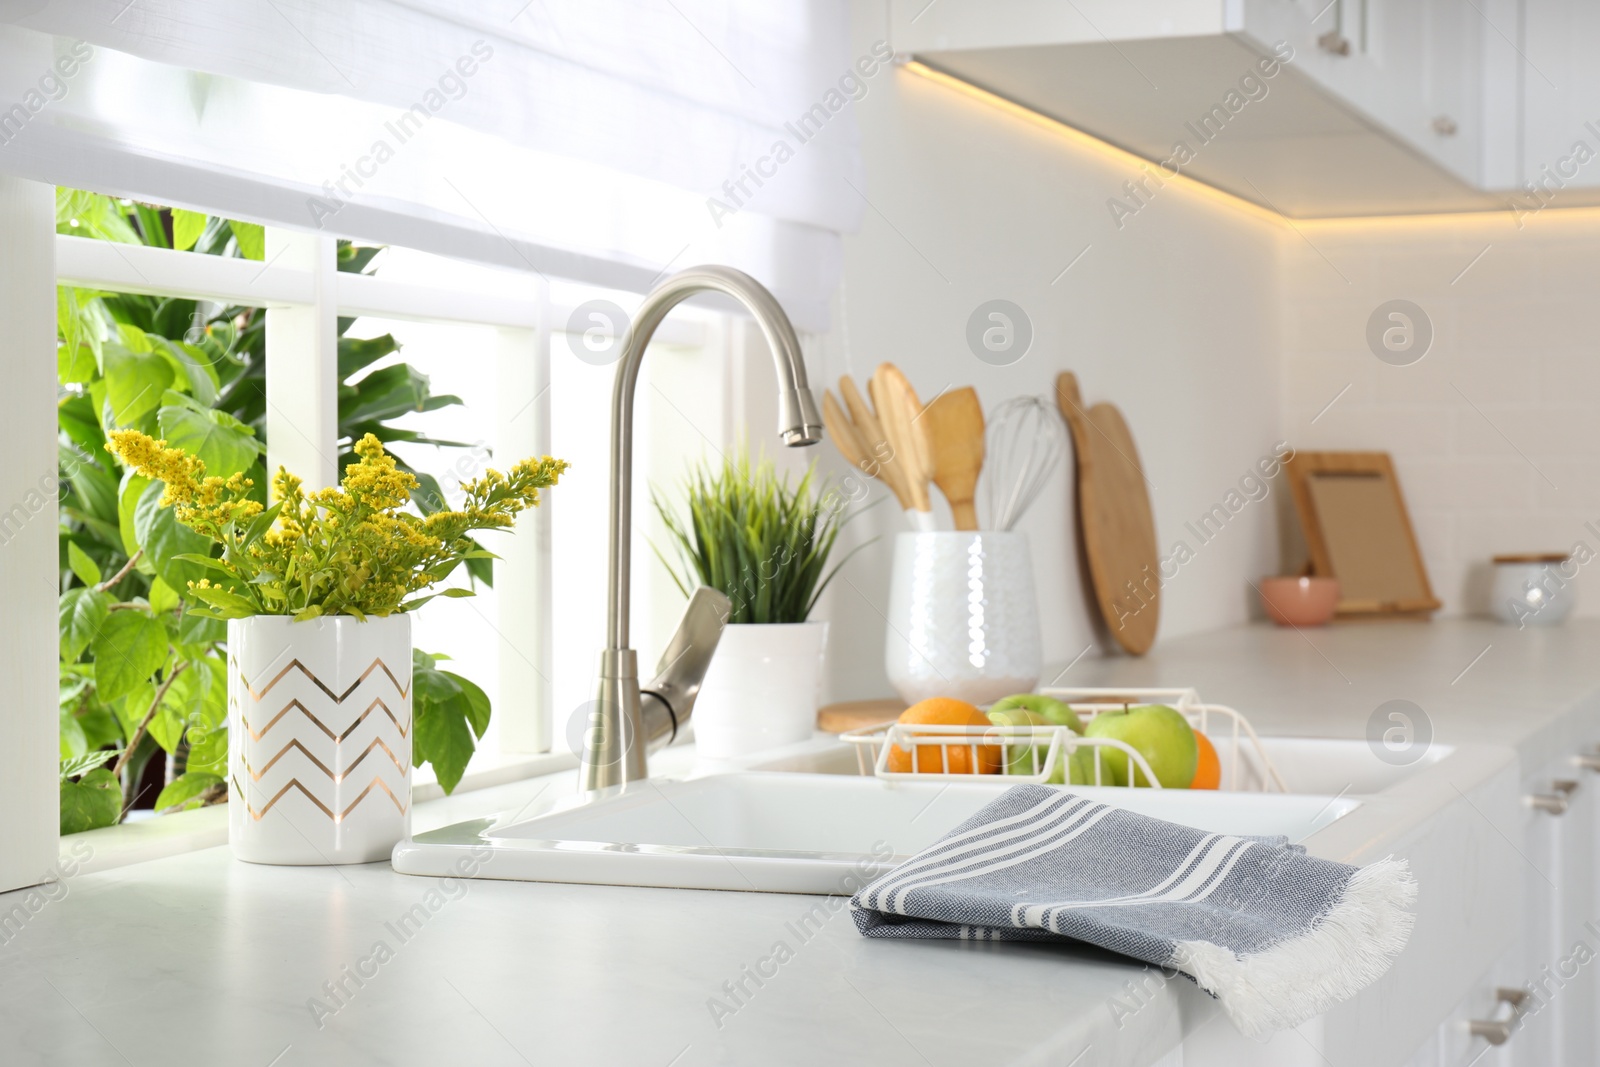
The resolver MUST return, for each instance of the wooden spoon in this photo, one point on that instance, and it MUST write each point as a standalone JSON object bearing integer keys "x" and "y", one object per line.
{"x": 951, "y": 431}
{"x": 899, "y": 408}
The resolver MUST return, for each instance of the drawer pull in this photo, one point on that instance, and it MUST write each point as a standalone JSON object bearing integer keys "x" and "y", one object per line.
{"x": 1550, "y": 803}
{"x": 1499, "y": 1031}
{"x": 1587, "y": 761}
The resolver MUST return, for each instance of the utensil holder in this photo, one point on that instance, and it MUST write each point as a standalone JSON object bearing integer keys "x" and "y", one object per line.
{"x": 963, "y": 621}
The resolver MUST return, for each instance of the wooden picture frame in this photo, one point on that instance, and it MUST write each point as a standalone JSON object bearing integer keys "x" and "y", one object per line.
{"x": 1357, "y": 529}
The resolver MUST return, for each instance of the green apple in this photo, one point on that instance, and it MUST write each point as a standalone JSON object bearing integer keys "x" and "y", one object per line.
{"x": 1075, "y": 768}
{"x": 1055, "y": 712}
{"x": 1159, "y": 734}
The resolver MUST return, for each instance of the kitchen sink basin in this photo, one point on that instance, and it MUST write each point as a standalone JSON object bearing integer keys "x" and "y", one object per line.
{"x": 1318, "y": 766}
{"x": 787, "y": 833}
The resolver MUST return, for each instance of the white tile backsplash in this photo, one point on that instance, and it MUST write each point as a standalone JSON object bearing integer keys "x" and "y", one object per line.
{"x": 1495, "y": 433}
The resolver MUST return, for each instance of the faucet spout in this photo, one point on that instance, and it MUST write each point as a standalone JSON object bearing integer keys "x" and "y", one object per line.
{"x": 625, "y": 720}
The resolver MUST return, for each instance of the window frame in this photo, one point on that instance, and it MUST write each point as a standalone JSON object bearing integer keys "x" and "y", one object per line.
{"x": 303, "y": 295}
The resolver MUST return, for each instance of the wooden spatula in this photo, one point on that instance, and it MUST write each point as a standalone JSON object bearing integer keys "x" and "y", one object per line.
{"x": 898, "y": 407}
{"x": 869, "y": 429}
{"x": 847, "y": 437}
{"x": 951, "y": 431}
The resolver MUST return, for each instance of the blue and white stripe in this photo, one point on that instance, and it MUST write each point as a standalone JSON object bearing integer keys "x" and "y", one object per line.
{"x": 1043, "y": 863}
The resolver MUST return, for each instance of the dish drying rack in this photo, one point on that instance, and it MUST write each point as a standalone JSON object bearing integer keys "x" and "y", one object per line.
{"x": 1238, "y": 747}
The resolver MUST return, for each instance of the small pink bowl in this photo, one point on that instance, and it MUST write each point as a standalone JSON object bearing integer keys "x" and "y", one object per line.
{"x": 1300, "y": 601}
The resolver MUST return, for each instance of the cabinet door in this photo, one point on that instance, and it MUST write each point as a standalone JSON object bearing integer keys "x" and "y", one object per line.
{"x": 1404, "y": 65}
{"x": 1560, "y": 84}
{"x": 1540, "y": 1039}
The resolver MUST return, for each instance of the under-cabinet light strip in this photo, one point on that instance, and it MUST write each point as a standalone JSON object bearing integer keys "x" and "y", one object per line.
{"x": 1123, "y": 157}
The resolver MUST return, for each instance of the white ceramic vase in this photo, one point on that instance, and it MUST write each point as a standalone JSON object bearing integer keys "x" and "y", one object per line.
{"x": 762, "y": 688}
{"x": 963, "y": 621}
{"x": 319, "y": 738}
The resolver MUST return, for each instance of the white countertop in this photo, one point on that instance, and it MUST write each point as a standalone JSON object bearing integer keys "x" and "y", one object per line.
{"x": 198, "y": 958}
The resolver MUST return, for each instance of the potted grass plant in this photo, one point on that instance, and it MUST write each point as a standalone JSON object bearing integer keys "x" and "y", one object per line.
{"x": 316, "y": 590}
{"x": 765, "y": 543}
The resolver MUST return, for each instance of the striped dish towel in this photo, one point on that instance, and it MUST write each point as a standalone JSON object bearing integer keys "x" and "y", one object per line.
{"x": 1275, "y": 935}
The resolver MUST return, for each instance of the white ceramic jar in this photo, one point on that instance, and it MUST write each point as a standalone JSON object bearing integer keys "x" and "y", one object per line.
{"x": 963, "y": 621}
{"x": 319, "y": 738}
{"x": 761, "y": 690}
{"x": 1533, "y": 590}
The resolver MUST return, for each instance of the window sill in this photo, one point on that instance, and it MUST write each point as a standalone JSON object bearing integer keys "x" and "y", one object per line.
{"x": 187, "y": 831}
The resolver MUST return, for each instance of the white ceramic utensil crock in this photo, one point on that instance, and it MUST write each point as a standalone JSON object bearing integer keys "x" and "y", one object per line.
{"x": 963, "y": 621}
{"x": 319, "y": 738}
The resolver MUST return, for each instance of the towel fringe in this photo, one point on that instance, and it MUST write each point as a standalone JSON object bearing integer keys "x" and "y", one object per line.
{"x": 1348, "y": 948}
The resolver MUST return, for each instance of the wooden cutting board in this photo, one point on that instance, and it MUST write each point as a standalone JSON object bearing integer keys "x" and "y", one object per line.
{"x": 1116, "y": 525}
{"x": 858, "y": 714}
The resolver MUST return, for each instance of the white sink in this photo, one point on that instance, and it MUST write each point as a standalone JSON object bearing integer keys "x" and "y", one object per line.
{"x": 787, "y": 833}
{"x": 1310, "y": 765}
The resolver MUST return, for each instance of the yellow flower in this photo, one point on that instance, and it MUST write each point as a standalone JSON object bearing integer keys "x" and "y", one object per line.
{"x": 346, "y": 549}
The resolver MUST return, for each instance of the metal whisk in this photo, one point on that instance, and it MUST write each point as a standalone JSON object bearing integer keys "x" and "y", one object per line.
{"x": 1024, "y": 443}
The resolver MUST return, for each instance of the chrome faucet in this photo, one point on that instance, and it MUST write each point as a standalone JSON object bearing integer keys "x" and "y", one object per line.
{"x": 627, "y": 721}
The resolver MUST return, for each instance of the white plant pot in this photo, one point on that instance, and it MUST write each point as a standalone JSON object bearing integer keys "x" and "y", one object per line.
{"x": 762, "y": 689}
{"x": 963, "y": 621}
{"x": 319, "y": 738}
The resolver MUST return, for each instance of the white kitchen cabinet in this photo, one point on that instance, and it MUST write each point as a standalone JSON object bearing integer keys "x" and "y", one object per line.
{"x": 1559, "y": 81}
{"x": 1412, "y": 67}
{"x": 1429, "y": 105}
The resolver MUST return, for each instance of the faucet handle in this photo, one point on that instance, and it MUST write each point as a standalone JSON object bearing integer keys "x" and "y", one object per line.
{"x": 683, "y": 666}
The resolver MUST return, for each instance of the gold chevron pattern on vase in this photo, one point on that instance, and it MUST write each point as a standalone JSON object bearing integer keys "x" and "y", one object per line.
{"x": 294, "y": 783}
{"x": 323, "y": 749}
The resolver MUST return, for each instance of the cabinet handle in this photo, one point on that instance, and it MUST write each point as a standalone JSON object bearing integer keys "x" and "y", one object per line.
{"x": 1550, "y": 803}
{"x": 1334, "y": 42}
{"x": 1499, "y": 1031}
{"x": 1587, "y": 761}
{"x": 1445, "y": 126}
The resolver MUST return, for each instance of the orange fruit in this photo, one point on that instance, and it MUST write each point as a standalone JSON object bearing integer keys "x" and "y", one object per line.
{"x": 1208, "y": 771}
{"x": 945, "y": 711}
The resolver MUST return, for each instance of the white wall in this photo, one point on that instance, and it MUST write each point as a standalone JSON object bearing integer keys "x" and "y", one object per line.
{"x": 1494, "y": 431}
{"x": 1174, "y": 318}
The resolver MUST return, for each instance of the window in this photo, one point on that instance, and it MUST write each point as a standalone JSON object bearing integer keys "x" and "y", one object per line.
{"x": 531, "y": 362}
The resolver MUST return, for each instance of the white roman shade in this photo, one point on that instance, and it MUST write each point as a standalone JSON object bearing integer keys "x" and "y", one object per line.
{"x": 605, "y": 141}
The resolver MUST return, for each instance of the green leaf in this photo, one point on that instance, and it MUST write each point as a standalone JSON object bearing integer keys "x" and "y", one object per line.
{"x": 79, "y": 615}
{"x": 166, "y": 728}
{"x": 208, "y": 751}
{"x": 93, "y": 801}
{"x": 75, "y": 363}
{"x": 442, "y": 735}
{"x": 133, "y": 487}
{"x": 197, "y": 629}
{"x": 252, "y": 239}
{"x": 356, "y": 353}
{"x": 187, "y": 226}
{"x": 79, "y": 765}
{"x": 91, "y": 487}
{"x": 186, "y": 787}
{"x": 74, "y": 742}
{"x": 227, "y": 605}
{"x": 86, "y": 569}
{"x": 162, "y": 598}
{"x": 477, "y": 703}
{"x": 129, "y": 647}
{"x": 135, "y": 382}
{"x": 196, "y": 366}
{"x": 224, "y": 444}
{"x": 164, "y": 539}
